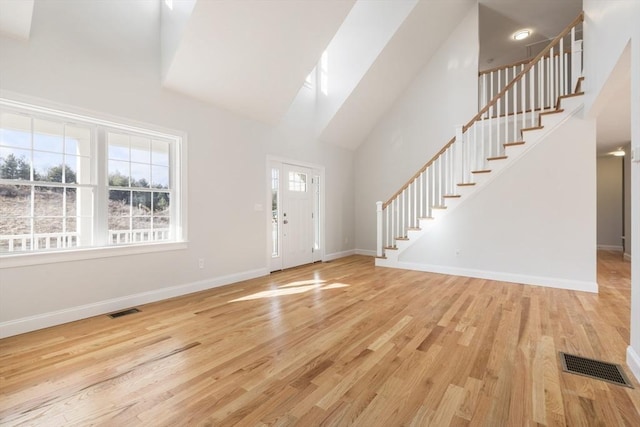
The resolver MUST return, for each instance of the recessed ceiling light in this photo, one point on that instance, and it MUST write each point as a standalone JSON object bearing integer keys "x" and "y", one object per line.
{"x": 618, "y": 153}
{"x": 521, "y": 34}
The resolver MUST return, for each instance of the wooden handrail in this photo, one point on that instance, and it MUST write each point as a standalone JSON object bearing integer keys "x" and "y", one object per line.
{"x": 486, "y": 108}
{"x": 524, "y": 71}
{"x": 515, "y": 64}
{"x": 502, "y": 67}
{"x": 417, "y": 174}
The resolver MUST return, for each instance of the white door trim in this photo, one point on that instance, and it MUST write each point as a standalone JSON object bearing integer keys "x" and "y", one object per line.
{"x": 321, "y": 172}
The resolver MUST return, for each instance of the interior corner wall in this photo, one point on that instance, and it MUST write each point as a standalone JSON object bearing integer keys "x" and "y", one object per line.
{"x": 610, "y": 202}
{"x": 422, "y": 120}
{"x": 609, "y": 27}
{"x": 116, "y": 74}
{"x": 627, "y": 201}
{"x": 533, "y": 224}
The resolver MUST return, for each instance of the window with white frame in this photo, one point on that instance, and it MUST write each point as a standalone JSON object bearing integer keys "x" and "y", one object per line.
{"x": 73, "y": 182}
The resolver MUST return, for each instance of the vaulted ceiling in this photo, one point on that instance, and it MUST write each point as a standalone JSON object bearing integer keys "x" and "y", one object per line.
{"x": 252, "y": 56}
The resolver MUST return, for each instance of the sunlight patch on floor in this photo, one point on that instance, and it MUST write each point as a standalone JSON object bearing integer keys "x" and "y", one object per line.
{"x": 292, "y": 288}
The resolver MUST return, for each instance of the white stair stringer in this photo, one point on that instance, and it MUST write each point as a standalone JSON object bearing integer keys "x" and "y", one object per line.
{"x": 570, "y": 105}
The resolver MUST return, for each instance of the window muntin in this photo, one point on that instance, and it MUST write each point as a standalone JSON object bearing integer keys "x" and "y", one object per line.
{"x": 139, "y": 188}
{"x": 40, "y": 183}
{"x": 49, "y": 183}
{"x": 297, "y": 181}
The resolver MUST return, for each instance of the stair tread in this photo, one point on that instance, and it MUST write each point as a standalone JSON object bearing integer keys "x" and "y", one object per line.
{"x": 556, "y": 111}
{"x": 451, "y": 196}
{"x": 414, "y": 228}
{"x": 513, "y": 144}
{"x": 531, "y": 128}
{"x": 402, "y": 238}
{"x": 439, "y": 207}
{"x": 482, "y": 171}
{"x": 497, "y": 158}
{"x": 391, "y": 248}
{"x": 466, "y": 184}
{"x": 381, "y": 257}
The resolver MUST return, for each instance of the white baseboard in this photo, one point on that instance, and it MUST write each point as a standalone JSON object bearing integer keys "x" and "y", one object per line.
{"x": 53, "y": 318}
{"x": 365, "y": 252}
{"x": 337, "y": 255}
{"x": 633, "y": 361}
{"x": 550, "y": 282}
{"x": 610, "y": 248}
{"x": 627, "y": 257}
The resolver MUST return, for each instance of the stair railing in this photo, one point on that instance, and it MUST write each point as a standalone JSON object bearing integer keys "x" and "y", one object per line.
{"x": 534, "y": 88}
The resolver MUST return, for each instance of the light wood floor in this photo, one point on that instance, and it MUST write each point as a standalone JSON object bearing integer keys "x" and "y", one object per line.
{"x": 340, "y": 343}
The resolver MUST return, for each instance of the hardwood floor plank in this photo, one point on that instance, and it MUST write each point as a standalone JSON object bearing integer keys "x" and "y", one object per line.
{"x": 339, "y": 343}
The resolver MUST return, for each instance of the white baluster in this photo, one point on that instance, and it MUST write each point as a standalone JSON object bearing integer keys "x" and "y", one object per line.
{"x": 523, "y": 89}
{"x": 473, "y": 153}
{"x": 401, "y": 216}
{"x": 421, "y": 191}
{"x": 556, "y": 79}
{"x": 462, "y": 155}
{"x": 379, "y": 229}
{"x": 541, "y": 72}
{"x": 538, "y": 71}
{"x": 498, "y": 105}
{"x": 394, "y": 221}
{"x": 410, "y": 204}
{"x": 515, "y": 107}
{"x": 417, "y": 197}
{"x": 531, "y": 96}
{"x": 482, "y": 147}
{"x": 567, "y": 89}
{"x": 506, "y": 114}
{"x": 552, "y": 79}
{"x": 561, "y": 66}
{"x": 484, "y": 89}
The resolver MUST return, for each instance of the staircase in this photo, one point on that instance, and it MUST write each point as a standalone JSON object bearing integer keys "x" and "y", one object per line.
{"x": 527, "y": 101}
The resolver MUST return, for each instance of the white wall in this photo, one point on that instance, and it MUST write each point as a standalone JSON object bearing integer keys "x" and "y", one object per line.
{"x": 514, "y": 231}
{"x": 117, "y": 73}
{"x": 610, "y": 202}
{"x": 423, "y": 119}
{"x": 609, "y": 27}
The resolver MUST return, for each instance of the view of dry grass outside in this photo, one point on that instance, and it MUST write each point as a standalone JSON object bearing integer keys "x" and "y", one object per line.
{"x": 54, "y": 214}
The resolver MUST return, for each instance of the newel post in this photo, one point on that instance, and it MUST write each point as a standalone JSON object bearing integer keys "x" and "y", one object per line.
{"x": 459, "y": 159}
{"x": 576, "y": 63}
{"x": 379, "y": 229}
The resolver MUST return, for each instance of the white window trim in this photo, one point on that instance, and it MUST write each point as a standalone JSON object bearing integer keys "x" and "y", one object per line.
{"x": 39, "y": 106}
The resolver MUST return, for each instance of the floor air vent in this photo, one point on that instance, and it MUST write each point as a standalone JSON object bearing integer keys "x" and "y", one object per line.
{"x": 124, "y": 313}
{"x": 594, "y": 369}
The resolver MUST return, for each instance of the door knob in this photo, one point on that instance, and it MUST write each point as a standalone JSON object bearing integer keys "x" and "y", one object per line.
{"x": 285, "y": 222}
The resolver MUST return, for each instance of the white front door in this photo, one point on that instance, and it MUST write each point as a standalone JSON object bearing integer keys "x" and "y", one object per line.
{"x": 297, "y": 211}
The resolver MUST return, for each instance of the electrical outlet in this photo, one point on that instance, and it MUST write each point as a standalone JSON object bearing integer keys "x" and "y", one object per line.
{"x": 200, "y": 262}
